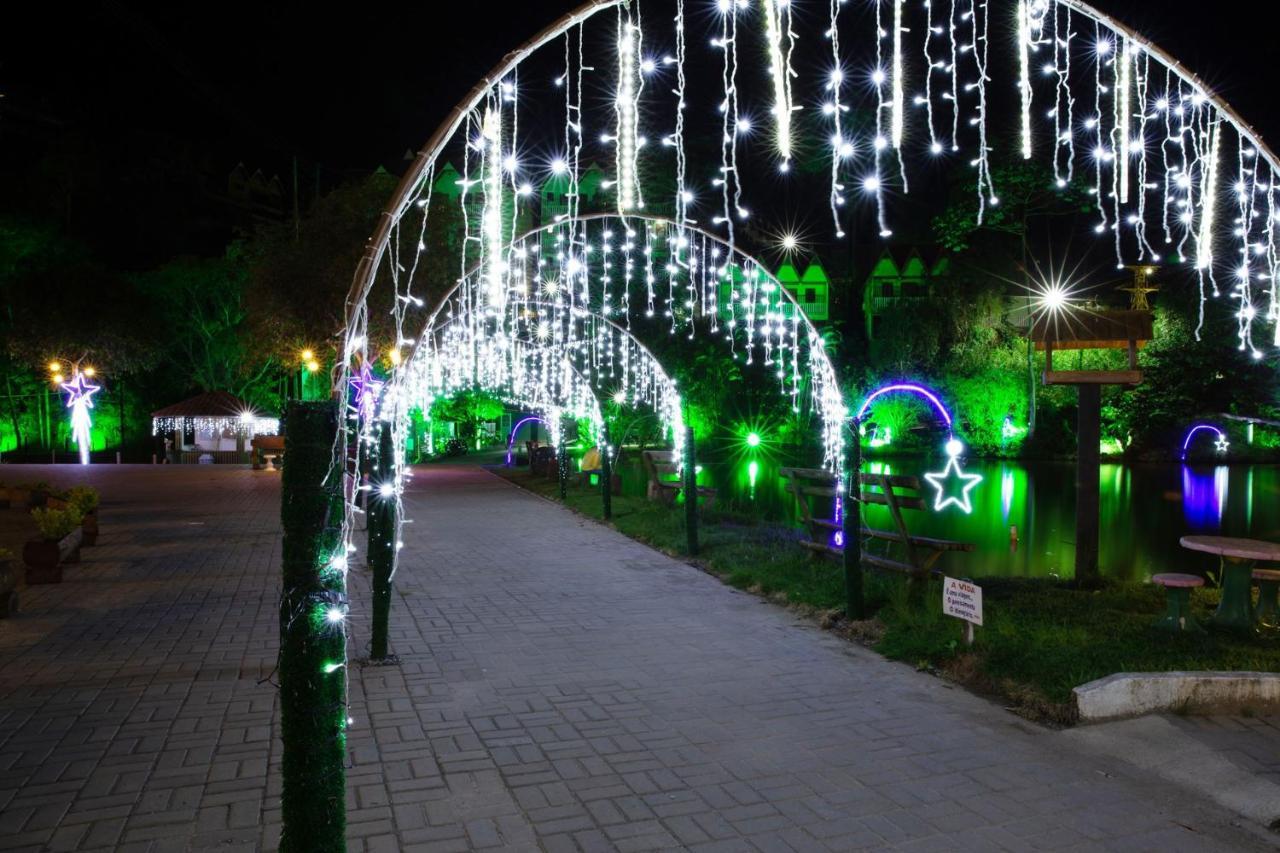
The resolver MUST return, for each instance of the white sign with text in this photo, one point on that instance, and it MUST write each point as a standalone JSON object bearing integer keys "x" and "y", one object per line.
{"x": 962, "y": 600}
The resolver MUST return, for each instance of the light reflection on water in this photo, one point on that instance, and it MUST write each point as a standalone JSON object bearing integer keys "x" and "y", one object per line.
{"x": 1023, "y": 518}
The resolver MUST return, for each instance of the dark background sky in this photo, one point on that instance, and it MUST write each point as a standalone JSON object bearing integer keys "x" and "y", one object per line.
{"x": 350, "y": 89}
{"x": 355, "y": 86}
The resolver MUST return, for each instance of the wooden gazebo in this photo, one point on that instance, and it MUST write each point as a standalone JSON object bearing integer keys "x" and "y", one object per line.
{"x": 212, "y": 427}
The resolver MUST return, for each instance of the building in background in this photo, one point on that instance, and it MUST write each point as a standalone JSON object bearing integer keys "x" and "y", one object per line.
{"x": 901, "y": 278}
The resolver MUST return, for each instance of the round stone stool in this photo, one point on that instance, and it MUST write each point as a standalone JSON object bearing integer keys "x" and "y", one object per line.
{"x": 1177, "y": 589}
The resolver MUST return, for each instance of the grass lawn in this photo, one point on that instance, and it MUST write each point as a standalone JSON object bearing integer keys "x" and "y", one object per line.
{"x": 1040, "y": 638}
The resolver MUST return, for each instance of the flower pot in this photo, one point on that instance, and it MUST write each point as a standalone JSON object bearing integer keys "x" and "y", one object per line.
{"x": 69, "y": 546}
{"x": 89, "y": 525}
{"x": 42, "y": 557}
{"x": 8, "y": 589}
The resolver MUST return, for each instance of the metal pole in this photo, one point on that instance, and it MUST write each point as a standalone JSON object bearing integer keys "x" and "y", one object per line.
{"x": 562, "y": 468}
{"x": 690, "y": 492}
{"x": 606, "y": 473}
{"x": 850, "y": 528}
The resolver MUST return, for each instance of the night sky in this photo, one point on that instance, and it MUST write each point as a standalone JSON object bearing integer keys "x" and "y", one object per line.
{"x": 347, "y": 90}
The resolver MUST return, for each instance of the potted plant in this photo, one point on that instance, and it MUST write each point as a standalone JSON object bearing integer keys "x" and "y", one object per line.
{"x": 59, "y": 542}
{"x": 85, "y": 499}
{"x": 8, "y": 585}
{"x": 29, "y": 494}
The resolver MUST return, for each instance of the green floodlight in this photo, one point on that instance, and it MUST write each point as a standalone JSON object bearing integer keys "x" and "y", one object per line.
{"x": 753, "y": 439}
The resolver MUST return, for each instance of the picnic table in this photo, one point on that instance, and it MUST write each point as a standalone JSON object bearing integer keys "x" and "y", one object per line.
{"x": 1238, "y": 556}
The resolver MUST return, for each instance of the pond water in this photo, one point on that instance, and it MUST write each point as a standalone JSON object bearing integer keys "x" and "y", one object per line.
{"x": 1023, "y": 513}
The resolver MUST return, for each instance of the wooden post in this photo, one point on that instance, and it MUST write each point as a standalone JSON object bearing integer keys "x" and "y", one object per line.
{"x": 690, "y": 492}
{"x": 1088, "y": 428}
{"x": 606, "y": 473}
{"x": 850, "y": 529}
{"x": 382, "y": 543}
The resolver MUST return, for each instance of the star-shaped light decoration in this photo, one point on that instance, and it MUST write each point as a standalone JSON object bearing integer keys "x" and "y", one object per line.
{"x": 1222, "y": 444}
{"x": 367, "y": 389}
{"x": 80, "y": 391}
{"x": 80, "y": 401}
{"x": 938, "y": 480}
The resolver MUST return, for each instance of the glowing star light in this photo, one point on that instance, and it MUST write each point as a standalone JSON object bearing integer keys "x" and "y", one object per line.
{"x": 938, "y": 479}
{"x": 367, "y": 390}
{"x": 80, "y": 401}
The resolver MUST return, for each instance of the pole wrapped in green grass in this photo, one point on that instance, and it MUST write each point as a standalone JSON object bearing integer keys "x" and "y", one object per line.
{"x": 382, "y": 541}
{"x": 313, "y": 713}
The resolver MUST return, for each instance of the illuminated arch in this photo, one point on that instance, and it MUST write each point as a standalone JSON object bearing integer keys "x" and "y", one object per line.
{"x": 511, "y": 439}
{"x": 906, "y": 388}
{"x": 1221, "y": 442}
{"x": 655, "y": 389}
{"x": 1199, "y": 205}
{"x": 793, "y": 338}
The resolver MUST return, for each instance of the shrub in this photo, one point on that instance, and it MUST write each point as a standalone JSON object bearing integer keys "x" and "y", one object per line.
{"x": 54, "y": 524}
{"x": 5, "y": 555}
{"x": 83, "y": 498}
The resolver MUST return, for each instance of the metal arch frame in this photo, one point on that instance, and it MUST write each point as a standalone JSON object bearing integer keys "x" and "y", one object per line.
{"x": 770, "y": 278}
{"x": 577, "y": 373}
{"x": 1242, "y": 127}
{"x": 376, "y": 246}
{"x": 661, "y": 371}
{"x": 540, "y": 304}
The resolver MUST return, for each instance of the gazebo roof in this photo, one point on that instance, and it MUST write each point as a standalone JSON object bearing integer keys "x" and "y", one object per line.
{"x": 212, "y": 404}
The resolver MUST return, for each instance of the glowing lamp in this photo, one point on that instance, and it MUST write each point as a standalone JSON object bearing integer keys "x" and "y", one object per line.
{"x": 53, "y": 366}
{"x": 753, "y": 439}
{"x": 308, "y": 356}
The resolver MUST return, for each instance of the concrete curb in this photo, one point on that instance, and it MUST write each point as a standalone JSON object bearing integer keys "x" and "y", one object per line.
{"x": 1131, "y": 694}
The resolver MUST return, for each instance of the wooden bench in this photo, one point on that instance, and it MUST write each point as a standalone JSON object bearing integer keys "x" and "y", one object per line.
{"x": 660, "y": 464}
{"x": 920, "y": 553}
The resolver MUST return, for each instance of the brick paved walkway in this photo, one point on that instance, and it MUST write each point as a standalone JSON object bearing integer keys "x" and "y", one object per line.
{"x": 562, "y": 688}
